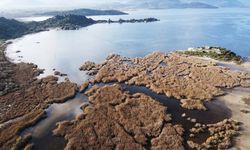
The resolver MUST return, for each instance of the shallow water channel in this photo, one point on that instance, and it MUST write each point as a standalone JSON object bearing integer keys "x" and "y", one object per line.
{"x": 216, "y": 112}
{"x": 43, "y": 138}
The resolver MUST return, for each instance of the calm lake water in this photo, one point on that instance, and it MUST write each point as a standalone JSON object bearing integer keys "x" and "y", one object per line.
{"x": 178, "y": 29}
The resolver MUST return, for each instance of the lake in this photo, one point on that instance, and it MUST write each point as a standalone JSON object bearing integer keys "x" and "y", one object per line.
{"x": 177, "y": 29}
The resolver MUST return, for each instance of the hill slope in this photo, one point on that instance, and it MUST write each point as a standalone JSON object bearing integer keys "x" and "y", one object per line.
{"x": 163, "y": 4}
{"x": 84, "y": 12}
{"x": 10, "y": 28}
{"x": 222, "y": 3}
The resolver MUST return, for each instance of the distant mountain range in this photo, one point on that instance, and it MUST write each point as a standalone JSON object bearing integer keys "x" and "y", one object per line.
{"x": 221, "y": 3}
{"x": 83, "y": 12}
{"x": 165, "y": 4}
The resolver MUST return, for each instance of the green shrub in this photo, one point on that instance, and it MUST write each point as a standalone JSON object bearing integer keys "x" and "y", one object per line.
{"x": 224, "y": 55}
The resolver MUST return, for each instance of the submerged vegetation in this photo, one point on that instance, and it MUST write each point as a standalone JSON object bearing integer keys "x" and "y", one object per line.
{"x": 217, "y": 53}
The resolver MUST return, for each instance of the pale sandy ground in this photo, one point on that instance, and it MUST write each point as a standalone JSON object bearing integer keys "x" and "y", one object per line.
{"x": 244, "y": 67}
{"x": 233, "y": 101}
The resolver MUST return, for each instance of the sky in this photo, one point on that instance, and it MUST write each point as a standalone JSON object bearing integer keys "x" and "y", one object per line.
{"x": 33, "y": 4}
{"x": 60, "y": 4}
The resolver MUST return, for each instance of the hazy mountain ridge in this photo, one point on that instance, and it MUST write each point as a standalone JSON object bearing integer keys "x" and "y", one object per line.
{"x": 165, "y": 4}
{"x": 83, "y": 12}
{"x": 221, "y": 3}
{"x": 10, "y": 28}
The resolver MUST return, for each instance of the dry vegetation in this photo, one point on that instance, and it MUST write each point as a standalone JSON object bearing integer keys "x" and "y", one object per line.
{"x": 118, "y": 120}
{"x": 191, "y": 80}
{"x": 115, "y": 119}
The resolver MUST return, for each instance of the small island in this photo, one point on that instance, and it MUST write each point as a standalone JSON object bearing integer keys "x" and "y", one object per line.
{"x": 146, "y": 20}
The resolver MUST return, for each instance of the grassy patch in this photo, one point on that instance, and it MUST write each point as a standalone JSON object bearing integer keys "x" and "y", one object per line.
{"x": 217, "y": 53}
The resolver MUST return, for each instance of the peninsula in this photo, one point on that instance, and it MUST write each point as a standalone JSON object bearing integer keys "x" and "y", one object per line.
{"x": 10, "y": 28}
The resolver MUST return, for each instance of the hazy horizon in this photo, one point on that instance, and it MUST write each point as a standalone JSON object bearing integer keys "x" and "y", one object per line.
{"x": 8, "y": 5}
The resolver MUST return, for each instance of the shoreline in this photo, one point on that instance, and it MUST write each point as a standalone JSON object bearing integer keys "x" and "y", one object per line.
{"x": 233, "y": 100}
{"x": 24, "y": 98}
{"x": 243, "y": 67}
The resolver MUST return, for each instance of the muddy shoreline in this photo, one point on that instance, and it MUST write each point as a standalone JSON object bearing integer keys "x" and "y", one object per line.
{"x": 24, "y": 98}
{"x": 235, "y": 101}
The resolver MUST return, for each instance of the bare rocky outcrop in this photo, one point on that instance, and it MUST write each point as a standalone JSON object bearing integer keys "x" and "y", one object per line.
{"x": 23, "y": 98}
{"x": 119, "y": 120}
{"x": 186, "y": 78}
